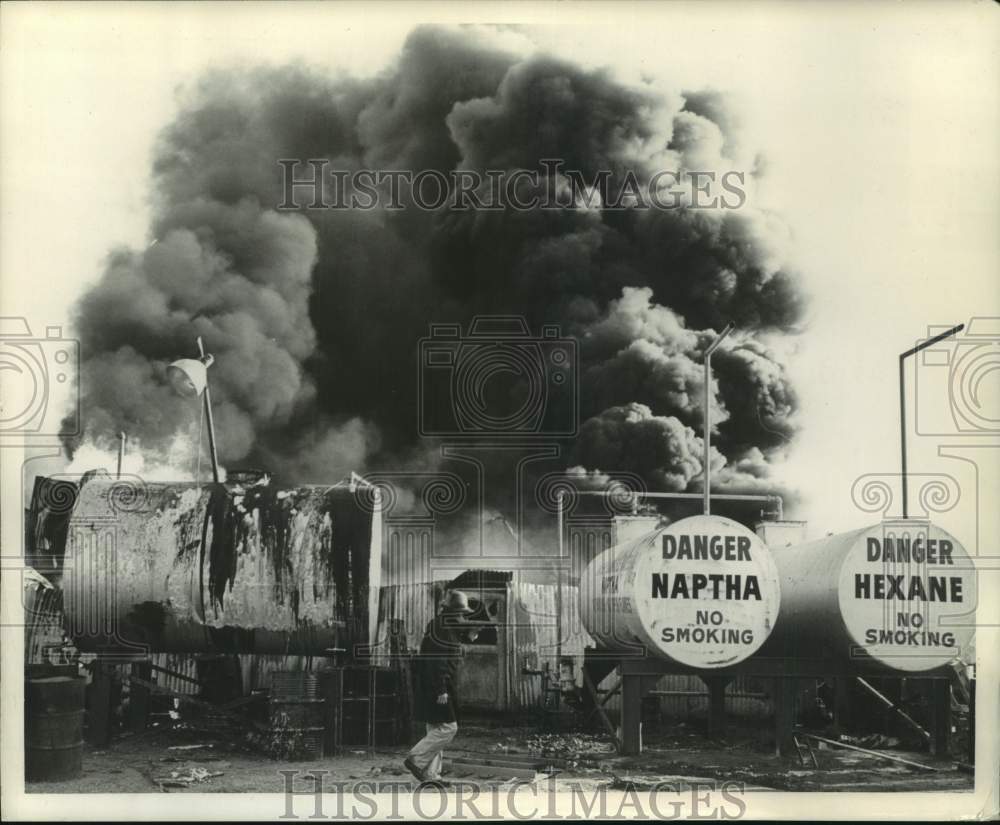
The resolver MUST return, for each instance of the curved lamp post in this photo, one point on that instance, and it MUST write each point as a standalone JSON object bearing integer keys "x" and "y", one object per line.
{"x": 189, "y": 378}
{"x": 902, "y": 403}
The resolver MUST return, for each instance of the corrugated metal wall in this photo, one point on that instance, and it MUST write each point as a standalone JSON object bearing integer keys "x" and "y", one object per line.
{"x": 405, "y": 610}
{"x": 533, "y": 628}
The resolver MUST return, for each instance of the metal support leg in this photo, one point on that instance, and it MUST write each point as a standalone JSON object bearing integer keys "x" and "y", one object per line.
{"x": 634, "y": 687}
{"x": 100, "y": 705}
{"x": 716, "y": 705}
{"x": 784, "y": 712}
{"x": 139, "y": 697}
{"x": 842, "y": 703}
{"x": 631, "y": 738}
{"x": 941, "y": 699}
{"x": 972, "y": 721}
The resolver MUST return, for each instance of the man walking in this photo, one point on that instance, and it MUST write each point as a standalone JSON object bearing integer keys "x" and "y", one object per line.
{"x": 435, "y": 699}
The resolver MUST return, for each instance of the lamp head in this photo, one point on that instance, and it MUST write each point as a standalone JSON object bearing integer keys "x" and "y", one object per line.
{"x": 188, "y": 377}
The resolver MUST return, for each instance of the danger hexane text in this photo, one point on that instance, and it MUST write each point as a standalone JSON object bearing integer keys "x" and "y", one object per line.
{"x": 731, "y": 586}
{"x": 908, "y": 588}
{"x": 705, "y": 548}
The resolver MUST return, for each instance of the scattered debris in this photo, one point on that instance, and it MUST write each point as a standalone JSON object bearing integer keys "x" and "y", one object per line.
{"x": 569, "y": 745}
{"x": 184, "y": 779}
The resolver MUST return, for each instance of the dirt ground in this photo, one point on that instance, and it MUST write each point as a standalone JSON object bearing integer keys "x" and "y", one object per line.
{"x": 162, "y": 759}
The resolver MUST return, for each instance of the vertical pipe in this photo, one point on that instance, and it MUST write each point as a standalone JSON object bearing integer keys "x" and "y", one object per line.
{"x": 208, "y": 415}
{"x": 708, "y": 433}
{"x": 902, "y": 430}
{"x": 708, "y": 413}
{"x": 559, "y": 561}
{"x": 121, "y": 452}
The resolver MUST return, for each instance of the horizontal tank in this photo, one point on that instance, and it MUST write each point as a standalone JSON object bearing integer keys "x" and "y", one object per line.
{"x": 901, "y": 593}
{"x": 702, "y": 592}
{"x": 187, "y": 567}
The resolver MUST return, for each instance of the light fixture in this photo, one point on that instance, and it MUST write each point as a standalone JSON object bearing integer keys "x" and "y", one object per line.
{"x": 188, "y": 377}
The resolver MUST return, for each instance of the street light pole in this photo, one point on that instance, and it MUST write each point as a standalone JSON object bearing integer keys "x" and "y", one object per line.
{"x": 207, "y": 360}
{"x": 122, "y": 438}
{"x": 708, "y": 414}
{"x": 902, "y": 402}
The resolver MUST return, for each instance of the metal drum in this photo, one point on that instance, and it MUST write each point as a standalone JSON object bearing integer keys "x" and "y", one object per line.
{"x": 53, "y": 729}
{"x": 296, "y": 715}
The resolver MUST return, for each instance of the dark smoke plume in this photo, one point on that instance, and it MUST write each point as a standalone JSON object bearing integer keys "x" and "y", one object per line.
{"x": 314, "y": 316}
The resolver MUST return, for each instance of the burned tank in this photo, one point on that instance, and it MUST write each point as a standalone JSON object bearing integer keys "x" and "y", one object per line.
{"x": 238, "y": 567}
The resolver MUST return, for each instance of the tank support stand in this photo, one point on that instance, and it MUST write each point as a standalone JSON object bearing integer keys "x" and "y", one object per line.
{"x": 640, "y": 675}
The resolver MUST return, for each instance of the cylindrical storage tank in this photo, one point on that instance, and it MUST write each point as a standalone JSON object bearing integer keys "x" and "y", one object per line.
{"x": 184, "y": 567}
{"x": 53, "y": 727}
{"x": 900, "y": 594}
{"x": 701, "y": 592}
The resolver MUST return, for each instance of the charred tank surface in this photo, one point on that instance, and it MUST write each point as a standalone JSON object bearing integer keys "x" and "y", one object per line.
{"x": 187, "y": 567}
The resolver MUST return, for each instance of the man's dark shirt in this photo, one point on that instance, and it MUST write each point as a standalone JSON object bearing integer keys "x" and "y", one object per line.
{"x": 437, "y": 670}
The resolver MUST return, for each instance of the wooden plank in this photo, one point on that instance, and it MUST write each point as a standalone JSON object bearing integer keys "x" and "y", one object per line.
{"x": 152, "y": 687}
{"x": 894, "y": 708}
{"x": 599, "y": 709}
{"x": 499, "y": 762}
{"x": 888, "y": 756}
{"x": 175, "y": 674}
{"x": 493, "y": 771}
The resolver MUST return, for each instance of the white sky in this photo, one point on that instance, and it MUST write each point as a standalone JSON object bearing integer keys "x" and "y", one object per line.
{"x": 879, "y": 123}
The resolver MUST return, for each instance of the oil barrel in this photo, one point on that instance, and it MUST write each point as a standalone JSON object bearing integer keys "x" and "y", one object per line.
{"x": 296, "y": 715}
{"x": 53, "y": 727}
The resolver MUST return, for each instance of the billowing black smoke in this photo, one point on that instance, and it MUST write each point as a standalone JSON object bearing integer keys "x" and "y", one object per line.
{"x": 314, "y": 316}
